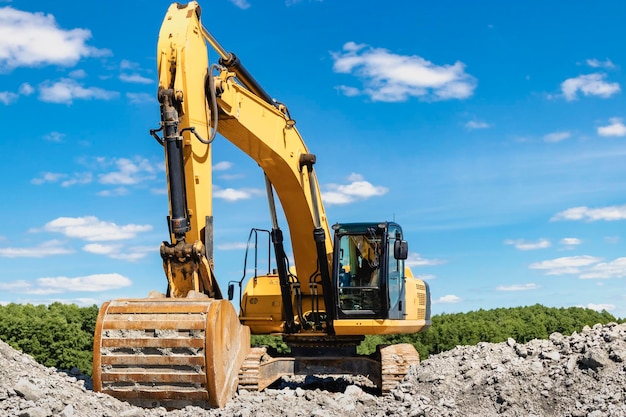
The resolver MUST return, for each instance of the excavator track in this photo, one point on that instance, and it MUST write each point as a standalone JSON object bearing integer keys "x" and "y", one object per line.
{"x": 169, "y": 352}
{"x": 395, "y": 361}
{"x": 250, "y": 369}
{"x": 386, "y": 368}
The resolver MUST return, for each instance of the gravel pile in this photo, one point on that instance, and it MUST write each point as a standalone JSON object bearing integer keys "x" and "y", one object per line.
{"x": 579, "y": 375}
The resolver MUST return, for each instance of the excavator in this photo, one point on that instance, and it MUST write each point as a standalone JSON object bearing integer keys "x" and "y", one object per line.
{"x": 189, "y": 346}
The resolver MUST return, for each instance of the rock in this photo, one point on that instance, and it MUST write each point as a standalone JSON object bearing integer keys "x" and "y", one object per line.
{"x": 35, "y": 412}
{"x": 578, "y": 375}
{"x": 552, "y": 355}
{"x": 353, "y": 391}
{"x": 536, "y": 367}
{"x": 617, "y": 354}
{"x": 595, "y": 358}
{"x": 28, "y": 390}
{"x": 68, "y": 411}
{"x": 571, "y": 364}
{"x": 135, "y": 412}
{"x": 521, "y": 351}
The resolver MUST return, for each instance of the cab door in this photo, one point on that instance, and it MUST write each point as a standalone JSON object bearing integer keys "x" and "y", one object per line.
{"x": 395, "y": 276}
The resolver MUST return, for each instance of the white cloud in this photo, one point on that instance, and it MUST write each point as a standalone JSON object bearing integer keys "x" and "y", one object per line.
{"x": 91, "y": 229}
{"x": 518, "y": 287}
{"x": 49, "y": 248}
{"x": 54, "y": 177}
{"x": 141, "y": 98}
{"x": 159, "y": 191}
{"x": 600, "y": 307}
{"x": 391, "y": 77}
{"x": 616, "y": 128}
{"x": 26, "y": 89}
{"x": 7, "y": 97}
{"x": 128, "y": 65}
{"x": 348, "y": 91}
{"x": 585, "y": 266}
{"x": 232, "y": 246}
{"x": 474, "y": 124}
{"x": 114, "y": 192}
{"x": 570, "y": 242}
{"x": 48, "y": 177}
{"x": 610, "y": 213}
{"x": 605, "y": 270}
{"x": 556, "y": 136}
{"x": 101, "y": 249}
{"x": 15, "y": 286}
{"x": 79, "y": 73}
{"x": 358, "y": 189}
{"x": 35, "y": 39}
{"x": 78, "y": 178}
{"x": 135, "y": 78}
{"x": 613, "y": 240}
{"x": 416, "y": 260}
{"x": 231, "y": 194}
{"x": 55, "y": 137}
{"x": 565, "y": 265}
{"x": 125, "y": 172}
{"x": 596, "y": 63}
{"x": 588, "y": 85}
{"x": 91, "y": 283}
{"x": 242, "y": 4}
{"x": 67, "y": 90}
{"x": 522, "y": 244}
{"x": 222, "y": 166}
{"x": 448, "y": 299}
{"x": 118, "y": 251}
{"x": 128, "y": 172}
{"x": 229, "y": 177}
{"x": 425, "y": 277}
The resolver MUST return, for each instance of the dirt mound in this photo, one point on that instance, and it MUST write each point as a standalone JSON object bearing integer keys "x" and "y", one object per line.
{"x": 579, "y": 375}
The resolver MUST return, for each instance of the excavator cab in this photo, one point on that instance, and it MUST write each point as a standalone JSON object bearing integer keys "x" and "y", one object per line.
{"x": 369, "y": 267}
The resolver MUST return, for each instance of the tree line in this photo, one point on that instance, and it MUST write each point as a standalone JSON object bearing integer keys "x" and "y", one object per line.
{"x": 58, "y": 335}
{"x": 61, "y": 335}
{"x": 494, "y": 326}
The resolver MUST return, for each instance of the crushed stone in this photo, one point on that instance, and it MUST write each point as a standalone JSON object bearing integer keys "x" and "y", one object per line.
{"x": 583, "y": 374}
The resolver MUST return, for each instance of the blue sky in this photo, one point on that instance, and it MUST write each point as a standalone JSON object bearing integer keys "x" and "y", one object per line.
{"x": 493, "y": 132}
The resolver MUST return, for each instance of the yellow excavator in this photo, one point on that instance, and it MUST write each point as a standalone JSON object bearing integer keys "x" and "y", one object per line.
{"x": 189, "y": 346}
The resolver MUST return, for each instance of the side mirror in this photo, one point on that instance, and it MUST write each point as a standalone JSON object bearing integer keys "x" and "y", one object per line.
{"x": 400, "y": 250}
{"x": 231, "y": 291}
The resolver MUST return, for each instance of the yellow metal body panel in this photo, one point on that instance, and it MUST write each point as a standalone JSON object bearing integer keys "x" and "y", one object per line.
{"x": 261, "y": 305}
{"x": 416, "y": 297}
{"x": 346, "y": 327}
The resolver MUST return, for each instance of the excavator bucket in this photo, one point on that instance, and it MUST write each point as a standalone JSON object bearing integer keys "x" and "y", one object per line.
{"x": 169, "y": 352}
